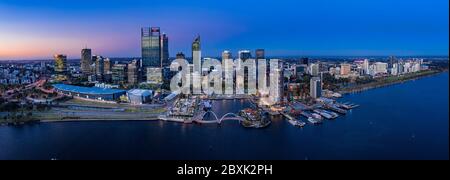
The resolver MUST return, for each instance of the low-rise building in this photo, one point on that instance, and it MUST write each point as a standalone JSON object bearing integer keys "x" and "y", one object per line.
{"x": 93, "y": 93}
{"x": 139, "y": 96}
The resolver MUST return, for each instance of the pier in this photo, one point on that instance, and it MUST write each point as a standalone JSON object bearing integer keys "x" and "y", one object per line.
{"x": 293, "y": 121}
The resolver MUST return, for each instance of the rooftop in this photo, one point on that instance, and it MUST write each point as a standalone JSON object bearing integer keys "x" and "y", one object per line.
{"x": 87, "y": 90}
{"x": 140, "y": 92}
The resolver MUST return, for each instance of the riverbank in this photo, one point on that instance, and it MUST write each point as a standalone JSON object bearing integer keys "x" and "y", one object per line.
{"x": 387, "y": 81}
{"x": 60, "y": 114}
{"x": 97, "y": 120}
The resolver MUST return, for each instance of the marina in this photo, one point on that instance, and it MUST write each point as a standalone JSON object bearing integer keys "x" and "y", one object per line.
{"x": 325, "y": 108}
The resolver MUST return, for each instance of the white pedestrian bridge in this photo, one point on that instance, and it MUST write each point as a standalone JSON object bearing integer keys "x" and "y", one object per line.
{"x": 226, "y": 117}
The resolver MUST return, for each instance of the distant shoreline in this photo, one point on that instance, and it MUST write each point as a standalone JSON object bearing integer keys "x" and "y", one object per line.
{"x": 375, "y": 85}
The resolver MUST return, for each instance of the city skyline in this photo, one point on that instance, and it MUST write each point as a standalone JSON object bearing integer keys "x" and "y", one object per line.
{"x": 350, "y": 28}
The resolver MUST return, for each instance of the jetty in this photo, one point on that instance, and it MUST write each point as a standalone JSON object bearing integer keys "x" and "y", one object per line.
{"x": 293, "y": 121}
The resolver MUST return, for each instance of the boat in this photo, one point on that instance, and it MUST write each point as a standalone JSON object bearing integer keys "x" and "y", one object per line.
{"x": 314, "y": 121}
{"x": 333, "y": 114}
{"x": 316, "y": 116}
{"x": 300, "y": 123}
{"x": 324, "y": 114}
{"x": 336, "y": 109}
{"x": 352, "y": 105}
{"x": 347, "y": 105}
{"x": 297, "y": 123}
{"x": 306, "y": 114}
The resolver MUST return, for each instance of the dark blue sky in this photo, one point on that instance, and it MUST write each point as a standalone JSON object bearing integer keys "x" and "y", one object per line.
{"x": 38, "y": 29}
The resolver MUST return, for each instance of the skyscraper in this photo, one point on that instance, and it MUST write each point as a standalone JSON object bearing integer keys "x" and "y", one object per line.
{"x": 107, "y": 66}
{"x": 315, "y": 87}
{"x": 86, "y": 61}
{"x": 99, "y": 65}
{"x": 260, "y": 54}
{"x": 133, "y": 72}
{"x": 345, "y": 69}
{"x": 165, "y": 50}
{"x": 244, "y": 55}
{"x": 392, "y": 61}
{"x": 226, "y": 55}
{"x": 276, "y": 80}
{"x": 380, "y": 67}
{"x": 197, "y": 54}
{"x": 60, "y": 63}
{"x": 119, "y": 73}
{"x": 366, "y": 66}
{"x": 107, "y": 72}
{"x": 151, "y": 47}
{"x": 314, "y": 69}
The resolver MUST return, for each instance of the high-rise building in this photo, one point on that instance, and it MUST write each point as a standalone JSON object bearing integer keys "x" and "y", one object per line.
{"x": 180, "y": 55}
{"x": 197, "y": 54}
{"x": 300, "y": 69}
{"x": 401, "y": 68}
{"x": 60, "y": 63}
{"x": 314, "y": 69}
{"x": 380, "y": 67}
{"x": 133, "y": 72}
{"x": 392, "y": 61}
{"x": 244, "y": 55}
{"x": 315, "y": 87}
{"x": 226, "y": 55}
{"x": 244, "y": 74}
{"x": 151, "y": 47}
{"x": 107, "y": 72}
{"x": 394, "y": 69}
{"x": 119, "y": 73}
{"x": 99, "y": 65}
{"x": 260, "y": 54}
{"x": 197, "y": 66}
{"x": 86, "y": 61}
{"x": 165, "y": 50}
{"x": 345, "y": 69}
{"x": 276, "y": 80}
{"x": 107, "y": 66}
{"x": 365, "y": 66}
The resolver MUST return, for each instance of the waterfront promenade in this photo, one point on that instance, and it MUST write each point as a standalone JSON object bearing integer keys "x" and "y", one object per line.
{"x": 387, "y": 81}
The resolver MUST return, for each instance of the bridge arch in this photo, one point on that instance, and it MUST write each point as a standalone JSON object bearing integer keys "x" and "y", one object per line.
{"x": 211, "y": 112}
{"x": 228, "y": 116}
{"x": 234, "y": 117}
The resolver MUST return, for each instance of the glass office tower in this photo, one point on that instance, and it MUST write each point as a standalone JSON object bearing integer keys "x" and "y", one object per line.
{"x": 151, "y": 47}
